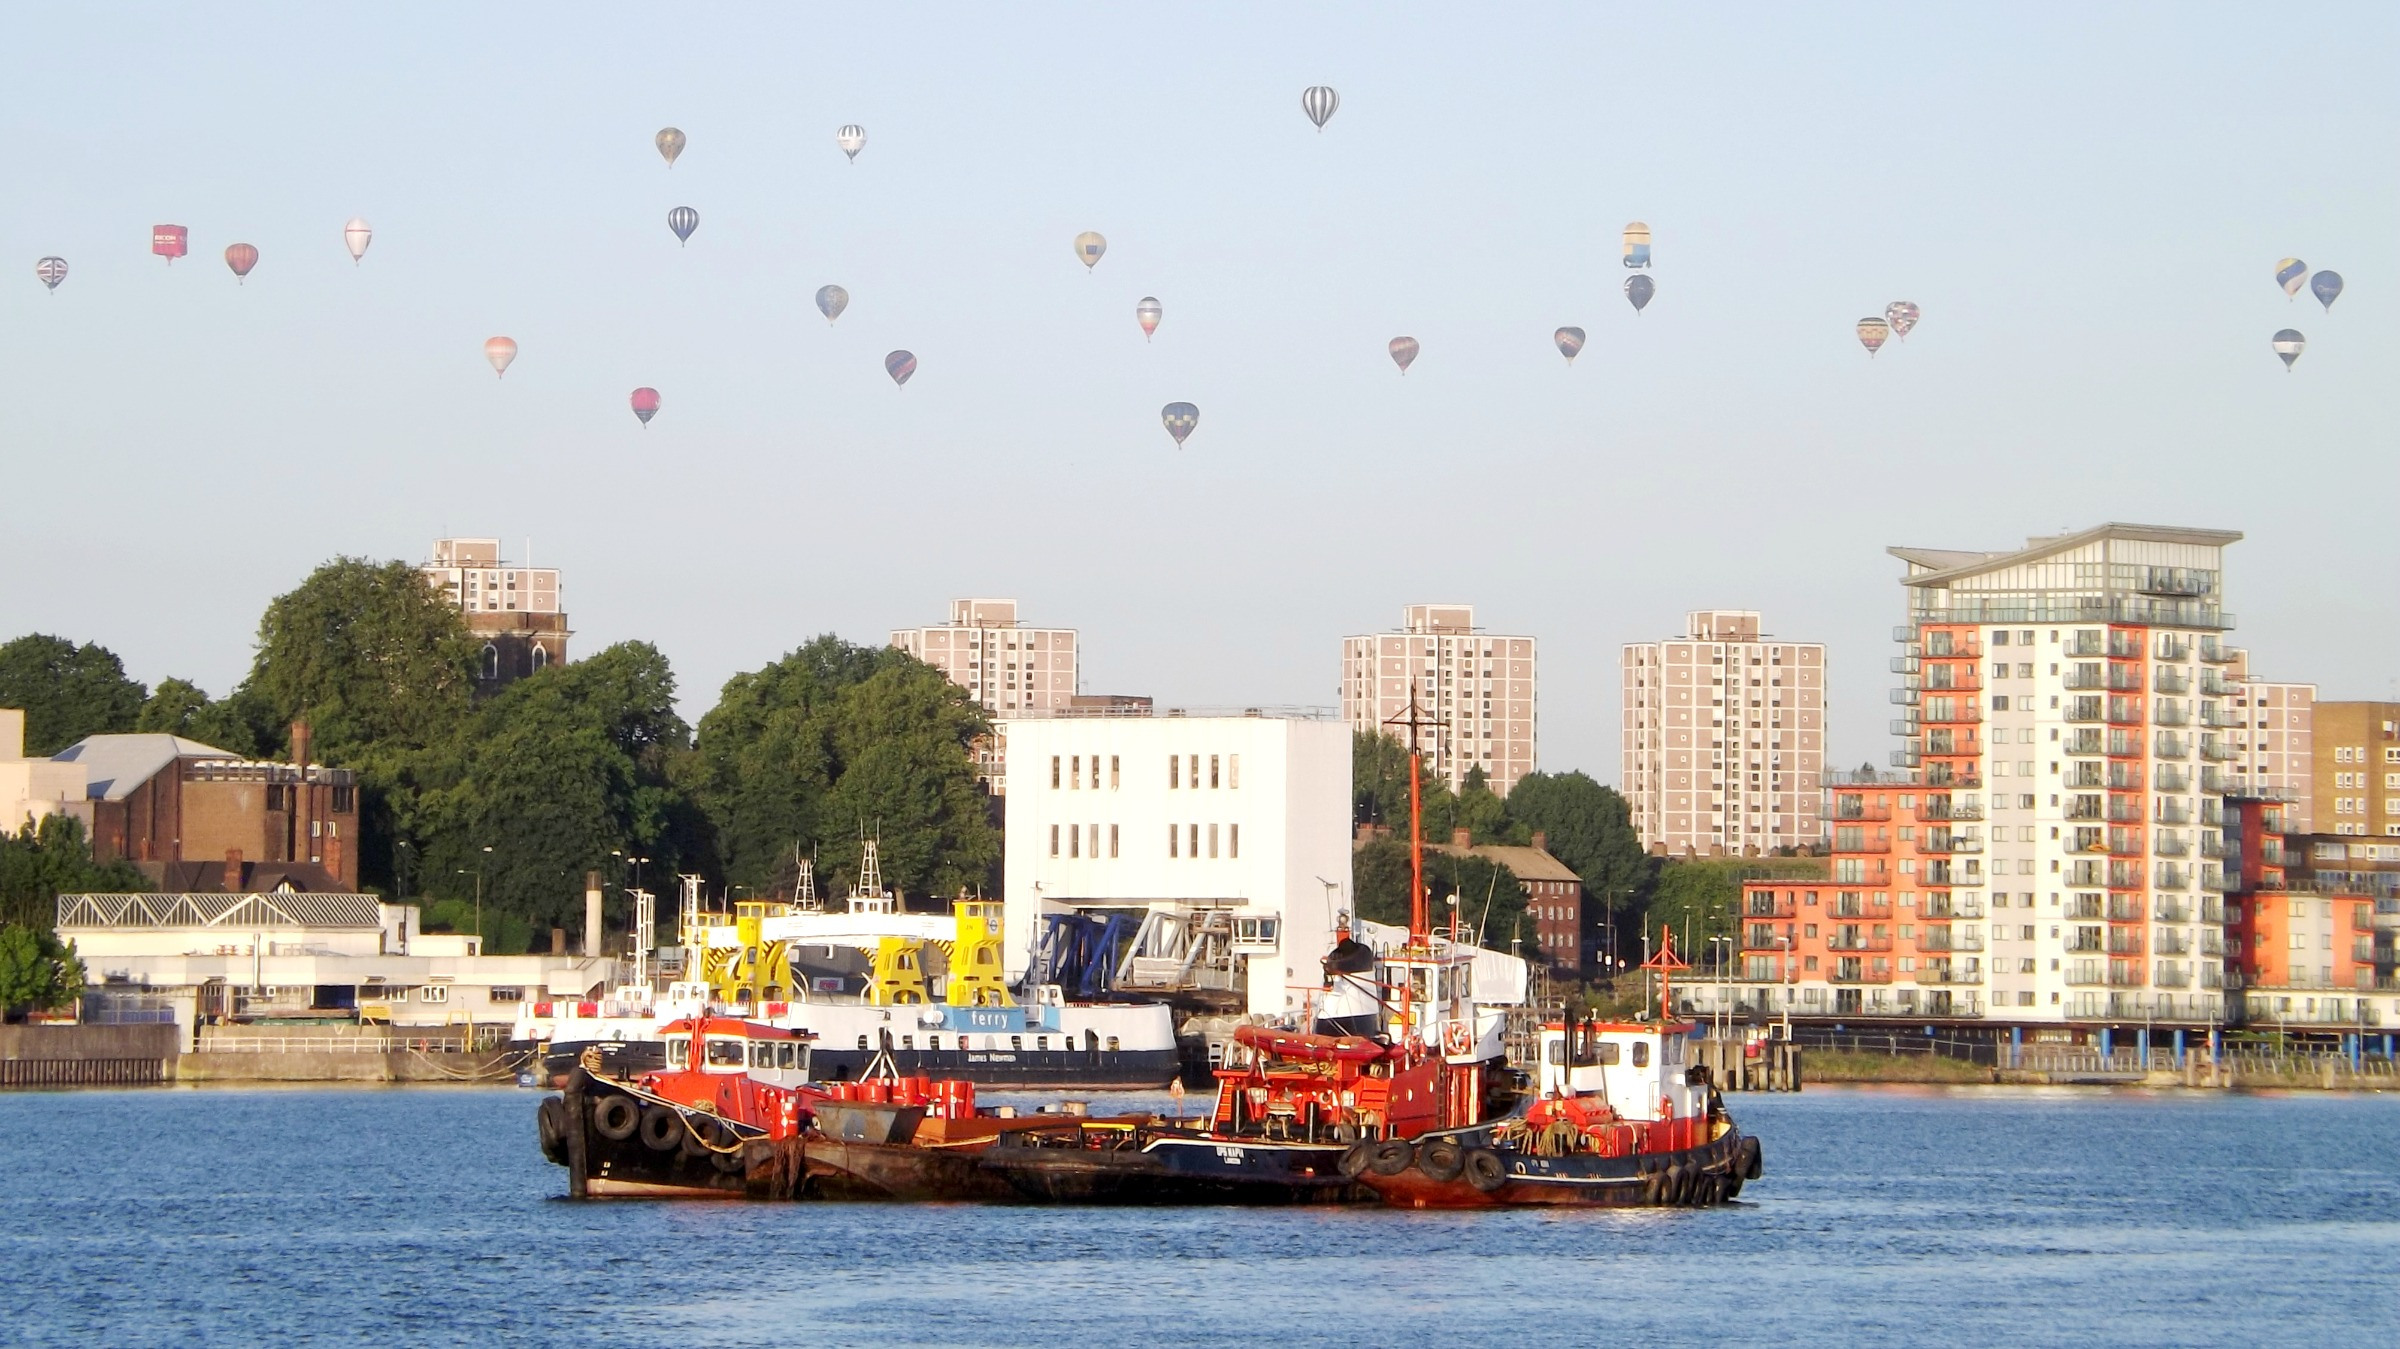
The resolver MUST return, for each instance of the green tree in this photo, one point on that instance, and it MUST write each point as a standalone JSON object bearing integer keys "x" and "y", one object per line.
{"x": 1491, "y": 900}
{"x": 171, "y": 707}
{"x": 1379, "y": 789}
{"x": 376, "y": 661}
{"x": 553, "y": 775}
{"x": 67, "y": 691}
{"x": 37, "y": 972}
{"x": 42, "y": 861}
{"x": 1590, "y": 828}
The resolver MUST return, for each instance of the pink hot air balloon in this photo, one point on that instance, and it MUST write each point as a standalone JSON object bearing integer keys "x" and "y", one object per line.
{"x": 500, "y": 351}
{"x": 1404, "y": 351}
{"x": 241, "y": 258}
{"x": 645, "y": 404}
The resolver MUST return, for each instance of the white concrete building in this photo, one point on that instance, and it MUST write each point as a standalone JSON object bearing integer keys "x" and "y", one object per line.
{"x": 1481, "y": 687}
{"x": 1198, "y": 826}
{"x": 33, "y": 789}
{"x": 1724, "y": 738}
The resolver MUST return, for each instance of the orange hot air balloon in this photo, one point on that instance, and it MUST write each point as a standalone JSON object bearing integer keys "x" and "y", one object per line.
{"x": 500, "y": 351}
{"x": 241, "y": 258}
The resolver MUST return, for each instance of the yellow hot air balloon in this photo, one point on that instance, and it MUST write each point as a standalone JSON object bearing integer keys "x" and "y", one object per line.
{"x": 1088, "y": 248}
{"x": 670, "y": 145}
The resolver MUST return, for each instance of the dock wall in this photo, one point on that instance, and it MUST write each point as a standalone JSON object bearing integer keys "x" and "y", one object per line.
{"x": 80, "y": 1056}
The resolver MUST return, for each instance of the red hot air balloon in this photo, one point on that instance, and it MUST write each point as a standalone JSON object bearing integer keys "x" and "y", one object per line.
{"x": 900, "y": 365}
{"x": 645, "y": 404}
{"x": 169, "y": 241}
{"x": 241, "y": 258}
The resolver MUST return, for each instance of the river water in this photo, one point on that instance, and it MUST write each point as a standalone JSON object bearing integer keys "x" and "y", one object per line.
{"x": 1976, "y": 1215}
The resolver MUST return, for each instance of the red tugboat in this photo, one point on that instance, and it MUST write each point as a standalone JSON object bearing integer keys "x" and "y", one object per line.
{"x": 733, "y": 1115}
{"x": 1620, "y": 1121}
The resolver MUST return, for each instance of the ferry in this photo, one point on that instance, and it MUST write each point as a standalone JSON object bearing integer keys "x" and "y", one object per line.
{"x": 884, "y": 992}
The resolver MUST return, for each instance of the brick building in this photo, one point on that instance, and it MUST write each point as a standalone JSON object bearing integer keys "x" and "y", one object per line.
{"x": 518, "y": 611}
{"x": 194, "y": 817}
{"x": 1724, "y": 738}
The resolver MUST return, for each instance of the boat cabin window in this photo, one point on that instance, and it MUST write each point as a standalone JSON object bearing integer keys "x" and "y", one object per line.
{"x": 1641, "y": 1053}
{"x": 725, "y": 1051}
{"x": 933, "y": 1042}
{"x": 1041, "y": 1042}
{"x": 679, "y": 1053}
{"x": 1112, "y": 1044}
{"x": 787, "y": 1054}
{"x": 1016, "y": 1042}
{"x": 1608, "y": 1054}
{"x": 1555, "y": 1053}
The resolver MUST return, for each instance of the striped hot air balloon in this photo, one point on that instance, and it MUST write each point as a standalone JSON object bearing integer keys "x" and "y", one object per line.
{"x": 1088, "y": 248}
{"x": 1179, "y": 419}
{"x": 1637, "y": 244}
{"x": 900, "y": 365}
{"x": 1147, "y": 314}
{"x": 356, "y": 236}
{"x": 1903, "y": 316}
{"x": 1319, "y": 102}
{"x": 670, "y": 145}
{"x": 1873, "y": 331}
{"x": 683, "y": 220}
{"x": 2291, "y": 274}
{"x": 51, "y": 271}
{"x": 831, "y": 301}
{"x": 1570, "y": 343}
{"x": 852, "y": 138}
{"x": 645, "y": 404}
{"x": 1404, "y": 352}
{"x": 500, "y": 351}
{"x": 2289, "y": 344}
{"x": 241, "y": 258}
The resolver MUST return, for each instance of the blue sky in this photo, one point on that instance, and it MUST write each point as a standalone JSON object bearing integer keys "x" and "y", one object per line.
{"x": 2087, "y": 202}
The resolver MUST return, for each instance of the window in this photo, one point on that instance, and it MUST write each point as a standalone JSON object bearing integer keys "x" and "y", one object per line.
{"x": 1054, "y": 840}
{"x": 1212, "y": 840}
{"x": 1112, "y": 772}
{"x": 1233, "y": 840}
{"x": 1195, "y": 773}
{"x": 1193, "y": 837}
{"x": 505, "y": 993}
{"x": 434, "y": 993}
{"x": 1095, "y": 772}
{"x": 1074, "y": 840}
{"x": 1054, "y": 772}
{"x": 1074, "y": 773}
{"x": 1112, "y": 840}
{"x": 345, "y": 799}
{"x": 1212, "y": 770}
{"x": 1174, "y": 769}
{"x": 1174, "y": 837}
{"x": 1233, "y": 771}
{"x": 1016, "y": 1042}
{"x": 491, "y": 661}
{"x": 1641, "y": 1053}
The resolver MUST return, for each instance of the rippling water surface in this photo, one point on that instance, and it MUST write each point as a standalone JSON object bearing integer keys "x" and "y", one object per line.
{"x": 1969, "y": 1216}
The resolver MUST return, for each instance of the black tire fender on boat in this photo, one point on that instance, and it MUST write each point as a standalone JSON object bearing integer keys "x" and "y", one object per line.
{"x": 661, "y": 1130}
{"x": 1712, "y": 1189}
{"x": 1441, "y": 1158}
{"x": 1389, "y": 1157}
{"x": 706, "y": 1134}
{"x": 1733, "y": 1185}
{"x": 1672, "y": 1191}
{"x": 1354, "y": 1160}
{"x": 616, "y": 1117}
{"x": 1485, "y": 1171}
{"x": 1753, "y": 1159}
{"x": 732, "y": 1161}
{"x": 550, "y": 1123}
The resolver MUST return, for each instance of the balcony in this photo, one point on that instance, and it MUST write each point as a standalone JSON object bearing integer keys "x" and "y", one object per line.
{"x": 1951, "y": 679}
{"x": 2124, "y": 843}
{"x": 2172, "y": 778}
{"x": 1952, "y": 775}
{"x": 2083, "y": 909}
{"x": 2213, "y": 844}
{"x": 1852, "y": 808}
{"x": 2086, "y": 972}
{"x": 2124, "y": 777}
{"x": 2083, "y": 644}
{"x": 2124, "y": 875}
{"x": 2082, "y": 777}
{"x": 1943, "y": 808}
{"x": 2216, "y": 750}
{"x": 2212, "y": 915}
{"x": 2172, "y": 812}
{"x": 2085, "y": 679}
{"x": 2122, "y": 811}
{"x": 2124, "y": 711}
{"x": 2172, "y": 877}
{"x": 1905, "y": 696}
{"x": 2171, "y": 681}
{"x": 2083, "y": 808}
{"x": 1848, "y": 905}
{"x": 1768, "y": 904}
{"x": 1861, "y": 976}
{"x": 2082, "y": 740}
{"x": 2125, "y": 908}
{"x": 2174, "y": 909}
{"x": 1952, "y": 646}
{"x": 2173, "y": 648}
{"x": 2083, "y": 709}
{"x": 2124, "y": 744}
{"x": 2124, "y": 679}
{"x": 2215, "y": 652}
{"x": 2173, "y": 746}
{"x": 2222, "y": 882}
{"x": 1904, "y": 665}
{"x": 1944, "y": 711}
{"x": 2124, "y": 974}
{"x": 1859, "y": 845}
{"x": 1937, "y": 872}
{"x": 2170, "y": 714}
{"x": 2170, "y": 845}
{"x": 2217, "y": 782}
{"x": 2221, "y": 719}
{"x": 2214, "y": 684}
{"x": 2084, "y": 874}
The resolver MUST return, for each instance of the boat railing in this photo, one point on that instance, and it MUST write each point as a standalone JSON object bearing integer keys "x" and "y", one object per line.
{"x": 338, "y": 1044}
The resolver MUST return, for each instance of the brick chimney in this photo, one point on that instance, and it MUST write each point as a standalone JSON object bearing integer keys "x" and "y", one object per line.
{"x": 1541, "y": 841}
{"x": 1462, "y": 838}
{"x": 300, "y": 744}
{"x": 233, "y": 871}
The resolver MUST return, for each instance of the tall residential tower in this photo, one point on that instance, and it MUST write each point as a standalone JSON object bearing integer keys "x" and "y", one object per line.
{"x": 1478, "y": 686}
{"x": 518, "y": 611}
{"x": 1724, "y": 738}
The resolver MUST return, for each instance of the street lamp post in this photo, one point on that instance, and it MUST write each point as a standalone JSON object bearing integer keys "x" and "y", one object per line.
{"x": 1786, "y": 942}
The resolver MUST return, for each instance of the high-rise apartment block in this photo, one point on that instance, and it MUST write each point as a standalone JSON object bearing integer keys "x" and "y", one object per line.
{"x": 1724, "y": 738}
{"x": 1478, "y": 687}
{"x": 2274, "y": 733}
{"x": 1013, "y": 670}
{"x": 2356, "y": 773}
{"x": 518, "y": 611}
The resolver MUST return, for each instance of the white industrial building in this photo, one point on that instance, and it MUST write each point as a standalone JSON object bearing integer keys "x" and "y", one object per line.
{"x": 1199, "y": 827}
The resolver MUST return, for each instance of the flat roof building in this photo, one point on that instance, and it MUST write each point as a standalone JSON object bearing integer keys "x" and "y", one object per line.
{"x": 1724, "y": 738}
{"x": 1479, "y": 689}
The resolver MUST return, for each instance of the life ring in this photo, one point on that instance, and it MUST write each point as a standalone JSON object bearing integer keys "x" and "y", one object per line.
{"x": 661, "y": 1130}
{"x": 1753, "y": 1159}
{"x": 1354, "y": 1160}
{"x": 1441, "y": 1158}
{"x": 1389, "y": 1157}
{"x": 616, "y": 1117}
{"x": 550, "y": 1124}
{"x": 1484, "y": 1170}
{"x": 1458, "y": 1039}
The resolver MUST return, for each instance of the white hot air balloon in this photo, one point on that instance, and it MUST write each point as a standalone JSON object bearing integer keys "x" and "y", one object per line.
{"x": 356, "y": 236}
{"x": 1319, "y": 102}
{"x": 852, "y": 139}
{"x": 500, "y": 351}
{"x": 1147, "y": 313}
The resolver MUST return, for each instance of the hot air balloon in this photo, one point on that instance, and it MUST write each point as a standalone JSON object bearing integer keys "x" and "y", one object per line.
{"x": 500, "y": 351}
{"x": 852, "y": 139}
{"x": 1570, "y": 342}
{"x": 1147, "y": 313}
{"x": 670, "y": 144}
{"x": 356, "y": 236}
{"x": 1319, "y": 102}
{"x": 1902, "y": 316}
{"x": 900, "y": 365}
{"x": 2291, "y": 274}
{"x": 1404, "y": 351}
{"x": 831, "y": 301}
{"x": 1639, "y": 289}
{"x": 2289, "y": 344}
{"x": 51, "y": 271}
{"x": 1637, "y": 245}
{"x": 168, "y": 241}
{"x": 683, "y": 220}
{"x": 1873, "y": 331}
{"x": 645, "y": 404}
{"x": 2327, "y": 287}
{"x": 241, "y": 258}
{"x": 1180, "y": 418}
{"x": 1088, "y": 248}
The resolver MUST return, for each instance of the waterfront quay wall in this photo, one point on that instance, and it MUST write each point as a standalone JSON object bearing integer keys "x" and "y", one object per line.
{"x": 340, "y": 1054}
{"x": 78, "y": 1056}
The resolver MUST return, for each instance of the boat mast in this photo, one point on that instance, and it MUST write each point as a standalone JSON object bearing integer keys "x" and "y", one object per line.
{"x": 1419, "y": 929}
